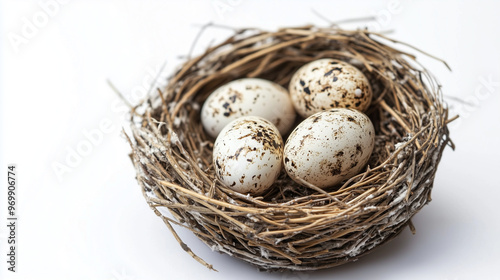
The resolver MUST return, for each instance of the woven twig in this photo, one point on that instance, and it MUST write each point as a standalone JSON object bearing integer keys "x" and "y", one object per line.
{"x": 292, "y": 227}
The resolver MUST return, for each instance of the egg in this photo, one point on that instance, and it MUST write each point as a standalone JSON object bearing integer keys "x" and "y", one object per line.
{"x": 329, "y": 147}
{"x": 329, "y": 83}
{"x": 247, "y": 155}
{"x": 248, "y": 97}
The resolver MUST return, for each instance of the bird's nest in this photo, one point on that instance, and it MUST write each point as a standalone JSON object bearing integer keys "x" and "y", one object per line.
{"x": 292, "y": 227}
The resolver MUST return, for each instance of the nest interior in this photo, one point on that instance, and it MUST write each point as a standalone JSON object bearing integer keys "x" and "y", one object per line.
{"x": 292, "y": 227}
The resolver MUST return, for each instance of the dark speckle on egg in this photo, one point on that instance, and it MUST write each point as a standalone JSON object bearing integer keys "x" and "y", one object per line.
{"x": 328, "y": 73}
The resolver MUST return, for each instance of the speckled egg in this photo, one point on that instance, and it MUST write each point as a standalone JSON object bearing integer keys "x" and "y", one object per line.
{"x": 329, "y": 83}
{"x": 329, "y": 147}
{"x": 248, "y": 97}
{"x": 247, "y": 155}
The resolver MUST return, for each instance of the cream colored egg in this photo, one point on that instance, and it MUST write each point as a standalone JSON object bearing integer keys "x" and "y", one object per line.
{"x": 248, "y": 97}
{"x": 247, "y": 155}
{"x": 329, "y": 147}
{"x": 329, "y": 83}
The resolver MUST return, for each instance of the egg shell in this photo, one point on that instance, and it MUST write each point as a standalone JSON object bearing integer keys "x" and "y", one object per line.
{"x": 329, "y": 83}
{"x": 329, "y": 147}
{"x": 247, "y": 155}
{"x": 248, "y": 97}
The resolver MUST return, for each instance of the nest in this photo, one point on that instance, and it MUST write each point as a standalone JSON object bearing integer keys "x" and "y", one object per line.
{"x": 292, "y": 227}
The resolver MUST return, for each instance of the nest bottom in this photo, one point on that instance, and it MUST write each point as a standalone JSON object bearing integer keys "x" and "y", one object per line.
{"x": 355, "y": 251}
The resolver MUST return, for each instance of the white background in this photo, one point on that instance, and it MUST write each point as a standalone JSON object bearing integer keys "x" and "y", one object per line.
{"x": 90, "y": 220}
